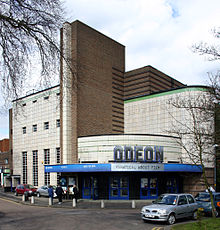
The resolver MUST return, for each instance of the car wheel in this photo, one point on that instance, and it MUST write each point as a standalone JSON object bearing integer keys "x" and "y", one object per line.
{"x": 38, "y": 194}
{"x": 194, "y": 215}
{"x": 171, "y": 219}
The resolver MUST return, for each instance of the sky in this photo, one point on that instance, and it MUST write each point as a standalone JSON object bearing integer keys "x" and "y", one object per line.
{"x": 159, "y": 33}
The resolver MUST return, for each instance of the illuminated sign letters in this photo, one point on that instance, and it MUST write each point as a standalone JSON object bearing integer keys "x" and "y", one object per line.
{"x": 138, "y": 154}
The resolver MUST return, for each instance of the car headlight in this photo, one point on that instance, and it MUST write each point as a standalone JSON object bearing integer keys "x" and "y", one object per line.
{"x": 162, "y": 211}
{"x": 143, "y": 210}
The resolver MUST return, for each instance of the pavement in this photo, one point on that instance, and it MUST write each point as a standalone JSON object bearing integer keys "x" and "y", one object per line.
{"x": 81, "y": 204}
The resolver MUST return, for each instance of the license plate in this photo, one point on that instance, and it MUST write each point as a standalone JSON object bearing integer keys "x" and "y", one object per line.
{"x": 201, "y": 209}
{"x": 149, "y": 215}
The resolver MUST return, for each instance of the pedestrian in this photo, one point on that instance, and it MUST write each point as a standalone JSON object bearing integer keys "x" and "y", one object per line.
{"x": 59, "y": 192}
{"x": 75, "y": 192}
{"x": 50, "y": 193}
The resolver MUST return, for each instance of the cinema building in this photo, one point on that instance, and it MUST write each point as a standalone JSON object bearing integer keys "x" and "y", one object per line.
{"x": 103, "y": 128}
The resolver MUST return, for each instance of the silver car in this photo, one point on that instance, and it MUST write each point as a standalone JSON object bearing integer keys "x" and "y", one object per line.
{"x": 170, "y": 207}
{"x": 43, "y": 191}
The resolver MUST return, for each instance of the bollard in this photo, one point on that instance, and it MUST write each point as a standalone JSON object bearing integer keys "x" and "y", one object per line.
{"x": 50, "y": 201}
{"x": 102, "y": 204}
{"x": 133, "y": 204}
{"x": 74, "y": 202}
{"x": 32, "y": 199}
{"x": 23, "y": 198}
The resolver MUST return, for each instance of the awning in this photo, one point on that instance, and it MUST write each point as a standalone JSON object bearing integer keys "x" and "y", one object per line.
{"x": 123, "y": 167}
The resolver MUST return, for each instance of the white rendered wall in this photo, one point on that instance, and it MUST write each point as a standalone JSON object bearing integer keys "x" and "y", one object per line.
{"x": 153, "y": 115}
{"x": 101, "y": 148}
{"x": 26, "y": 116}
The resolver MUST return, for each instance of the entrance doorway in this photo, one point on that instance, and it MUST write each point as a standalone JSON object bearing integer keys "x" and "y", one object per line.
{"x": 149, "y": 188}
{"x": 90, "y": 188}
{"x": 171, "y": 185}
{"x": 119, "y": 188}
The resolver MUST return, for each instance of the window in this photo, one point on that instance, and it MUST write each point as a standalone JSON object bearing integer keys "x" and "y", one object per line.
{"x": 46, "y": 125}
{"x": 35, "y": 168}
{"x": 58, "y": 177}
{"x": 6, "y": 161}
{"x": 190, "y": 199}
{"x": 46, "y": 98}
{"x": 182, "y": 200}
{"x": 58, "y": 94}
{"x": 34, "y": 128}
{"x": 34, "y": 101}
{"x": 58, "y": 123}
{"x": 24, "y": 130}
{"x": 24, "y": 104}
{"x": 58, "y": 155}
{"x": 46, "y": 156}
{"x": 47, "y": 178}
{"x": 24, "y": 157}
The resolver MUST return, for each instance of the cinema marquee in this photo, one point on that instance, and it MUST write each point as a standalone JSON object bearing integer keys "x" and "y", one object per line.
{"x": 138, "y": 154}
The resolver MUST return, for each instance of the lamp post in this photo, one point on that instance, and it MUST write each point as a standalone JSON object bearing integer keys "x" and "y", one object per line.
{"x": 215, "y": 156}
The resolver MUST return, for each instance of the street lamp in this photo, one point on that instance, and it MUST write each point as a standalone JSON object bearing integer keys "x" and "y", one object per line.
{"x": 215, "y": 146}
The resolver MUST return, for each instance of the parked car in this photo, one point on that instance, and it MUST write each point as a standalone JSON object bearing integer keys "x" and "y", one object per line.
{"x": 43, "y": 191}
{"x": 204, "y": 202}
{"x": 28, "y": 189}
{"x": 170, "y": 207}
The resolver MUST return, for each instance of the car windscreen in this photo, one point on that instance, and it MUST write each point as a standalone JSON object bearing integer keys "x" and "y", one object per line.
{"x": 203, "y": 197}
{"x": 166, "y": 199}
{"x": 29, "y": 186}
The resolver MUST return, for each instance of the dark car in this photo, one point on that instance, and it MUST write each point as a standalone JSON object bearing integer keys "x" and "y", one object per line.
{"x": 204, "y": 202}
{"x": 28, "y": 189}
{"x": 170, "y": 207}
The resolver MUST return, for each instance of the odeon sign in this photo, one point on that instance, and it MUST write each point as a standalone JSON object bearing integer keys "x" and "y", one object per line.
{"x": 138, "y": 154}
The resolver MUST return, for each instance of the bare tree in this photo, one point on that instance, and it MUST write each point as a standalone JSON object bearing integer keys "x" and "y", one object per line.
{"x": 195, "y": 129}
{"x": 29, "y": 32}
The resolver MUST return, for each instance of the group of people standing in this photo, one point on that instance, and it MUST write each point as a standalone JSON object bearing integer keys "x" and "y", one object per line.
{"x": 59, "y": 192}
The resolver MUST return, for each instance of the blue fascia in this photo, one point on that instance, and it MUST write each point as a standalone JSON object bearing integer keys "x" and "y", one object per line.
{"x": 107, "y": 168}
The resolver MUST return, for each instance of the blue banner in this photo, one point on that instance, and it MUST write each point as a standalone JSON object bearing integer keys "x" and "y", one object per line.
{"x": 148, "y": 167}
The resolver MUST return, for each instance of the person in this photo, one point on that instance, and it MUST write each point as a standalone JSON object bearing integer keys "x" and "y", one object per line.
{"x": 75, "y": 192}
{"x": 59, "y": 192}
{"x": 50, "y": 193}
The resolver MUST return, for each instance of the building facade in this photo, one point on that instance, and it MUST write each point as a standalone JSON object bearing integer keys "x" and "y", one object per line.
{"x": 102, "y": 128}
{"x": 5, "y": 162}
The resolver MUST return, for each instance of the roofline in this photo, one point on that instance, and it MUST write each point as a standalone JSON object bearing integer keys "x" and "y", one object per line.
{"x": 150, "y": 66}
{"x": 36, "y": 93}
{"x": 127, "y": 134}
{"x": 155, "y": 94}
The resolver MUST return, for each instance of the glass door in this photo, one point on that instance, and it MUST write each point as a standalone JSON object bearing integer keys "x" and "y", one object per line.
{"x": 171, "y": 185}
{"x": 149, "y": 188}
{"x": 119, "y": 188}
{"x": 90, "y": 188}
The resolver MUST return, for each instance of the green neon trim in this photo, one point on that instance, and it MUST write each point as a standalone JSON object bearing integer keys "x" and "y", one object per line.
{"x": 166, "y": 93}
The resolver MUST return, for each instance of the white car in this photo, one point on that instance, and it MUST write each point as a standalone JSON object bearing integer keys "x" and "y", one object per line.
{"x": 170, "y": 207}
{"x": 43, "y": 191}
